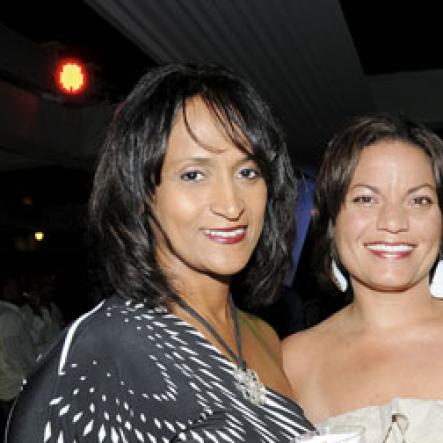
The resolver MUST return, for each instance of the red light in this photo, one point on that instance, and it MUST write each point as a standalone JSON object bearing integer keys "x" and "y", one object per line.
{"x": 71, "y": 77}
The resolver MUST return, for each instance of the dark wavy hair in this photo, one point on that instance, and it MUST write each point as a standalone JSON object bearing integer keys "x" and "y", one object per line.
{"x": 129, "y": 169}
{"x": 339, "y": 163}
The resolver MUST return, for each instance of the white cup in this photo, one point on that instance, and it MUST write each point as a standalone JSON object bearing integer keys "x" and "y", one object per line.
{"x": 333, "y": 434}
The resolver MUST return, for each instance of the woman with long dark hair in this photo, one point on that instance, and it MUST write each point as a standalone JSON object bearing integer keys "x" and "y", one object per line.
{"x": 192, "y": 208}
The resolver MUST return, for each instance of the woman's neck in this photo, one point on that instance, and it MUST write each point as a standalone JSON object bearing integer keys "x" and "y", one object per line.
{"x": 207, "y": 295}
{"x": 387, "y": 310}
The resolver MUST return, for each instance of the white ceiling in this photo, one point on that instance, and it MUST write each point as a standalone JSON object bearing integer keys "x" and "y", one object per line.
{"x": 299, "y": 53}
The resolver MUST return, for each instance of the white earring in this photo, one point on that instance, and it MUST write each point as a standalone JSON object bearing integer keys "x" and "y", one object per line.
{"x": 437, "y": 281}
{"x": 339, "y": 278}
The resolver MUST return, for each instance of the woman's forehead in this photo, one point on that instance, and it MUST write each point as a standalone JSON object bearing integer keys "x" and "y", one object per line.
{"x": 209, "y": 126}
{"x": 395, "y": 160}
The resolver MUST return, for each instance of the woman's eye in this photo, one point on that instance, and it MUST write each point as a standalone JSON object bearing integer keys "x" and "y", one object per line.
{"x": 249, "y": 173}
{"x": 191, "y": 176}
{"x": 363, "y": 199}
{"x": 422, "y": 200}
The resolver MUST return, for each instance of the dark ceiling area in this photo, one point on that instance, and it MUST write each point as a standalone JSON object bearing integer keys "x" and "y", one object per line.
{"x": 388, "y": 37}
{"x": 395, "y": 36}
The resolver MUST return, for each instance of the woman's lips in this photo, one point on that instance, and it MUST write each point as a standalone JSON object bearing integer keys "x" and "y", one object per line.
{"x": 390, "y": 250}
{"x": 226, "y": 236}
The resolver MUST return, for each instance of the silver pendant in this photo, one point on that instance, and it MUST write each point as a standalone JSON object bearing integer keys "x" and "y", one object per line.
{"x": 250, "y": 386}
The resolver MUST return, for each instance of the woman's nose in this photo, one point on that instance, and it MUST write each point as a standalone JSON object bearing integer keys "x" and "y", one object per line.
{"x": 393, "y": 218}
{"x": 227, "y": 200}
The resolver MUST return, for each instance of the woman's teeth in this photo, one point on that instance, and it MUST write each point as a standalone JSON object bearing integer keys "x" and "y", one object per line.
{"x": 225, "y": 234}
{"x": 382, "y": 247}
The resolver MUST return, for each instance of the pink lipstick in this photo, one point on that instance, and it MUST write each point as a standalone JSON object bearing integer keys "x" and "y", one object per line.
{"x": 226, "y": 236}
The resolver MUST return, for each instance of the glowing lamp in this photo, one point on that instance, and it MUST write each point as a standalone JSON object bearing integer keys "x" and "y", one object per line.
{"x": 27, "y": 200}
{"x": 39, "y": 235}
{"x": 71, "y": 77}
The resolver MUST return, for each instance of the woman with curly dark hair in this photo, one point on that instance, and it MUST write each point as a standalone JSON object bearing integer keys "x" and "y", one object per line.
{"x": 378, "y": 361}
{"x": 192, "y": 209}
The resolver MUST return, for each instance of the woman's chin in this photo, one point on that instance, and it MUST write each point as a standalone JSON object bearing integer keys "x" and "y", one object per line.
{"x": 391, "y": 285}
{"x": 225, "y": 270}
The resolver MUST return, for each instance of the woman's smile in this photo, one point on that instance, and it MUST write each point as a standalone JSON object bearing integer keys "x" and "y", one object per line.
{"x": 390, "y": 250}
{"x": 227, "y": 235}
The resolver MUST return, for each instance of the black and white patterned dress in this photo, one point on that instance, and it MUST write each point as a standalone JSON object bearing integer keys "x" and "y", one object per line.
{"x": 125, "y": 373}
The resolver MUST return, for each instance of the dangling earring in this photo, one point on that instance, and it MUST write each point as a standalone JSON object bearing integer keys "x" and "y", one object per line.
{"x": 437, "y": 280}
{"x": 339, "y": 279}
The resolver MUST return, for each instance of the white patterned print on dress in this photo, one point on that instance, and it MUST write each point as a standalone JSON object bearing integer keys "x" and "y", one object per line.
{"x": 125, "y": 373}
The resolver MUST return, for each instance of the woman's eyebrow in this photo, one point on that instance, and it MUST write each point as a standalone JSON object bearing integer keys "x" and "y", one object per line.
{"x": 424, "y": 185}
{"x": 192, "y": 159}
{"x": 364, "y": 185}
{"x": 409, "y": 191}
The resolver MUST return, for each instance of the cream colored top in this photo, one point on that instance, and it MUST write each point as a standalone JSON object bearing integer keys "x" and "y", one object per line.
{"x": 403, "y": 420}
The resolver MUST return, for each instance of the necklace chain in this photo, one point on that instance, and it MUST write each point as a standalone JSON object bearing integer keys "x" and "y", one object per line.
{"x": 247, "y": 380}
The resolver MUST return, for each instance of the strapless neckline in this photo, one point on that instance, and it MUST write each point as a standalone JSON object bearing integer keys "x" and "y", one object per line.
{"x": 402, "y": 420}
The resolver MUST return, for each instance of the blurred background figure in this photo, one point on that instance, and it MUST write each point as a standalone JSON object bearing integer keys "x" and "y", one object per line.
{"x": 17, "y": 351}
{"x": 43, "y": 317}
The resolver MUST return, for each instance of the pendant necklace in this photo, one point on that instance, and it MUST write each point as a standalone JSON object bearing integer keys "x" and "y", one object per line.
{"x": 246, "y": 379}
